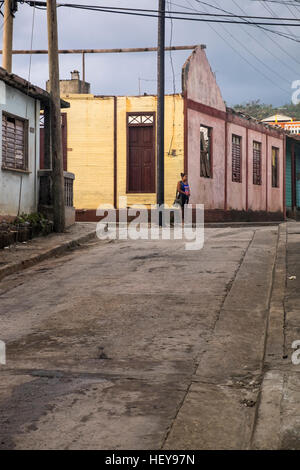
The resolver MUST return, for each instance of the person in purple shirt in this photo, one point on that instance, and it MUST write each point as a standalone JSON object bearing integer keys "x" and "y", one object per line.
{"x": 183, "y": 189}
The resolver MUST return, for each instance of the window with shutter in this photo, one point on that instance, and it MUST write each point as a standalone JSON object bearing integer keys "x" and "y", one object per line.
{"x": 257, "y": 163}
{"x": 205, "y": 152}
{"x": 236, "y": 159}
{"x": 275, "y": 167}
{"x": 14, "y": 138}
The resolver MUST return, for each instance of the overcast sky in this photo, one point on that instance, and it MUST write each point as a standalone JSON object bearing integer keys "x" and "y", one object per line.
{"x": 248, "y": 63}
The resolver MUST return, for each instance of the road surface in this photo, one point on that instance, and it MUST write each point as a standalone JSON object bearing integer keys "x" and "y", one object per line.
{"x": 138, "y": 344}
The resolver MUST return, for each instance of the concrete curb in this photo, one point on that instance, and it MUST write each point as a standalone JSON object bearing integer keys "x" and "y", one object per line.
{"x": 242, "y": 224}
{"x": 266, "y": 432}
{"x": 60, "y": 248}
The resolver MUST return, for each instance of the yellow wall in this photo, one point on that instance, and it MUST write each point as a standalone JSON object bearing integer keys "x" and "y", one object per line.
{"x": 91, "y": 147}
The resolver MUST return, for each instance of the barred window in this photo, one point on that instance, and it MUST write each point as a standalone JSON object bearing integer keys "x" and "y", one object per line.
{"x": 205, "y": 152}
{"x": 256, "y": 163}
{"x": 236, "y": 159}
{"x": 14, "y": 143}
{"x": 275, "y": 167}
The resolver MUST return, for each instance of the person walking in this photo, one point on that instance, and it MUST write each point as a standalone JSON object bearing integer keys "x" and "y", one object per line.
{"x": 183, "y": 191}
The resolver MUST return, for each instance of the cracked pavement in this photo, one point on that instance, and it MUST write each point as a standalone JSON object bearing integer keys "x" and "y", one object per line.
{"x": 140, "y": 344}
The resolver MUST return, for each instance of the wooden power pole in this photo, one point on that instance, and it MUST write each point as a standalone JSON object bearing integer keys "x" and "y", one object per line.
{"x": 55, "y": 120}
{"x": 160, "y": 198}
{"x": 10, "y": 6}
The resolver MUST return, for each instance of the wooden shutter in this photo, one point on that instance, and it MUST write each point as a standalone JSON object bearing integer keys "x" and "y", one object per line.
{"x": 13, "y": 143}
{"x": 236, "y": 159}
{"x": 275, "y": 167}
{"x": 256, "y": 163}
{"x": 205, "y": 152}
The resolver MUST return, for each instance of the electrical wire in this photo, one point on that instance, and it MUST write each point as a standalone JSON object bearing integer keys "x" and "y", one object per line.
{"x": 292, "y": 38}
{"x": 260, "y": 44}
{"x": 282, "y": 48}
{"x": 242, "y": 56}
{"x": 169, "y": 4}
{"x": 267, "y": 32}
{"x": 268, "y": 8}
{"x": 263, "y": 47}
{"x": 31, "y": 46}
{"x": 256, "y": 24}
{"x": 137, "y": 12}
{"x": 172, "y": 17}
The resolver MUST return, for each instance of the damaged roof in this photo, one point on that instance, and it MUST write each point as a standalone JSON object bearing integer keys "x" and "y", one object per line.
{"x": 246, "y": 116}
{"x": 28, "y": 88}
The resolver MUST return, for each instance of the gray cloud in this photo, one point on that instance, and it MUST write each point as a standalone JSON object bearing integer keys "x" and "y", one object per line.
{"x": 119, "y": 73}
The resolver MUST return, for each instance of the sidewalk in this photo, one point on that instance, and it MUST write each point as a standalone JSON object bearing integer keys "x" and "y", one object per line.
{"x": 219, "y": 410}
{"x": 23, "y": 255}
{"x": 278, "y": 419}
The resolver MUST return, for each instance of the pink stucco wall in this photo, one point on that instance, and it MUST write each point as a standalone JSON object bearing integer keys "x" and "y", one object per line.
{"x": 236, "y": 192}
{"x": 199, "y": 81}
{"x": 275, "y": 196}
{"x": 208, "y": 191}
{"x": 200, "y": 88}
{"x": 257, "y": 193}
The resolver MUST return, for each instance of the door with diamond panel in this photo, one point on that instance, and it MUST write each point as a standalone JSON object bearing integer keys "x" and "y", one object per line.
{"x": 141, "y": 153}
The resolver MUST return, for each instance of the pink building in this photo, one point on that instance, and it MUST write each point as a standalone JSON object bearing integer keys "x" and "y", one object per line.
{"x": 234, "y": 163}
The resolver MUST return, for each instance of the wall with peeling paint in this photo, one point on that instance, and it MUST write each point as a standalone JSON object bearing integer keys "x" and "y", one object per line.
{"x": 206, "y": 107}
{"x": 91, "y": 147}
{"x": 19, "y": 189}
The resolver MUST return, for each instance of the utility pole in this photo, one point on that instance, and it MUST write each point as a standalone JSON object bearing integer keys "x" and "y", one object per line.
{"x": 55, "y": 120}
{"x": 160, "y": 193}
{"x": 10, "y": 6}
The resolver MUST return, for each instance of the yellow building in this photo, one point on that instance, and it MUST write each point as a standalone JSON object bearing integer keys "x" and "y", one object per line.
{"x": 111, "y": 148}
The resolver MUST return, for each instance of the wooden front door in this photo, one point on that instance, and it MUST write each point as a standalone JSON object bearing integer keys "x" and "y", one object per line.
{"x": 141, "y": 154}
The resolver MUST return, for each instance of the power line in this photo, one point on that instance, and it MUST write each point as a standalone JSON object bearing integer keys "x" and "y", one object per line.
{"x": 155, "y": 79}
{"x": 31, "y": 45}
{"x": 140, "y": 12}
{"x": 231, "y": 15}
{"x": 292, "y": 38}
{"x": 174, "y": 83}
{"x": 280, "y": 47}
{"x": 268, "y": 8}
{"x": 265, "y": 31}
{"x": 154, "y": 13}
{"x": 281, "y": 2}
{"x": 260, "y": 43}
{"x": 242, "y": 56}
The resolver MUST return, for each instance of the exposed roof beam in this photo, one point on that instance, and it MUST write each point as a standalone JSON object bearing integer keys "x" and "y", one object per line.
{"x": 108, "y": 51}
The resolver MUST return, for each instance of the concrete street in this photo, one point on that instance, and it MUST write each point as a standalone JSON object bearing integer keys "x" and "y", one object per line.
{"x": 144, "y": 345}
